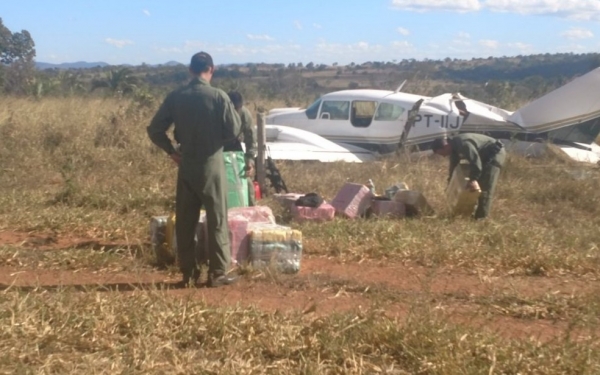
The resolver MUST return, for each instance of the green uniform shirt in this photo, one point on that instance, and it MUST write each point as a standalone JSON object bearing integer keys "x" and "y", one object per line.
{"x": 474, "y": 148}
{"x": 248, "y": 136}
{"x": 204, "y": 119}
{"x": 249, "y": 132}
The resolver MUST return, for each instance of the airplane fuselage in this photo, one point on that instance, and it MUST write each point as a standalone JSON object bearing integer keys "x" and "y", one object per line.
{"x": 376, "y": 119}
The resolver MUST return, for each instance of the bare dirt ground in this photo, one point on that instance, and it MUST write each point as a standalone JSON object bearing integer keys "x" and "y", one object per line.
{"x": 326, "y": 285}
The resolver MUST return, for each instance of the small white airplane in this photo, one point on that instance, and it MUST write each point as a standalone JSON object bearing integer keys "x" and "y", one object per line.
{"x": 382, "y": 121}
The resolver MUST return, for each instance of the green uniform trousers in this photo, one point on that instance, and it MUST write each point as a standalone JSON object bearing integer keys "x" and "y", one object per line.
{"x": 487, "y": 183}
{"x": 203, "y": 185}
{"x": 251, "y": 195}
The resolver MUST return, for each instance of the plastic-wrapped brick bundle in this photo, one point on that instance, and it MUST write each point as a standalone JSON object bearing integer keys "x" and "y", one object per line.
{"x": 352, "y": 200}
{"x": 462, "y": 202}
{"x": 238, "y": 220}
{"x": 325, "y": 212}
{"x": 164, "y": 239}
{"x": 388, "y": 208}
{"x": 237, "y": 184}
{"x": 158, "y": 239}
{"x": 238, "y": 238}
{"x": 201, "y": 240}
{"x": 255, "y": 214}
{"x": 415, "y": 203}
{"x": 277, "y": 246}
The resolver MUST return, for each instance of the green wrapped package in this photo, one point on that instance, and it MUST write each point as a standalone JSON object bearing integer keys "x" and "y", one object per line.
{"x": 237, "y": 182}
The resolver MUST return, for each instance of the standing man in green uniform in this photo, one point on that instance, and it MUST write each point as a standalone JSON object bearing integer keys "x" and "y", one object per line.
{"x": 249, "y": 138}
{"x": 204, "y": 119}
{"x": 485, "y": 156}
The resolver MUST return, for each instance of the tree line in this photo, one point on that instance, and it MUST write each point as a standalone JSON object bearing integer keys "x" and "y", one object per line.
{"x": 502, "y": 81}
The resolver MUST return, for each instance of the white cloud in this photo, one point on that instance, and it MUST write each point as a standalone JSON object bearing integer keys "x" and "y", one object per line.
{"x": 259, "y": 37}
{"x": 229, "y": 52}
{"x": 340, "y": 49}
{"x": 403, "y": 31}
{"x": 401, "y": 45}
{"x": 298, "y": 25}
{"x": 493, "y": 44}
{"x": 459, "y": 42}
{"x": 572, "y": 9}
{"x": 575, "y": 9}
{"x": 462, "y": 39}
{"x": 317, "y": 26}
{"x": 523, "y": 48}
{"x": 577, "y": 33}
{"x": 431, "y": 5}
{"x": 146, "y": 12}
{"x": 119, "y": 43}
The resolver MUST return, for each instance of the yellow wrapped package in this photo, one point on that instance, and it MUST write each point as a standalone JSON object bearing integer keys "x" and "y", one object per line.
{"x": 275, "y": 245}
{"x": 164, "y": 240}
{"x": 462, "y": 202}
{"x": 160, "y": 238}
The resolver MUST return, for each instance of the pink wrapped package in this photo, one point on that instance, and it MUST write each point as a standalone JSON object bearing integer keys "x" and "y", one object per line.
{"x": 238, "y": 239}
{"x": 255, "y": 214}
{"x": 388, "y": 208}
{"x": 352, "y": 200}
{"x": 324, "y": 212}
{"x": 239, "y": 219}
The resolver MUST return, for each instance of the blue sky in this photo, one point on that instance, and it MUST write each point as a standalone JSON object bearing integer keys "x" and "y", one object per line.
{"x": 287, "y": 31}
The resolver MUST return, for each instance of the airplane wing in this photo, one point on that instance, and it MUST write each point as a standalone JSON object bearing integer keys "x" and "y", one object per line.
{"x": 287, "y": 143}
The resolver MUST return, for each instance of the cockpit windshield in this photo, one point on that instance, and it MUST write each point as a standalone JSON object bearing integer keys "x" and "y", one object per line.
{"x": 313, "y": 109}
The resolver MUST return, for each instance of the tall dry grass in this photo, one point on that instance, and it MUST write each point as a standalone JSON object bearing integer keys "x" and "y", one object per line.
{"x": 85, "y": 168}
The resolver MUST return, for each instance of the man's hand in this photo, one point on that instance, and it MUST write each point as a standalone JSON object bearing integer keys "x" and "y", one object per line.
{"x": 473, "y": 185}
{"x": 176, "y": 157}
{"x": 249, "y": 170}
{"x": 249, "y": 166}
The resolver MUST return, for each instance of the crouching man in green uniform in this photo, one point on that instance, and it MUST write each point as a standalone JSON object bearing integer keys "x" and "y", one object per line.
{"x": 248, "y": 136}
{"x": 204, "y": 119}
{"x": 485, "y": 156}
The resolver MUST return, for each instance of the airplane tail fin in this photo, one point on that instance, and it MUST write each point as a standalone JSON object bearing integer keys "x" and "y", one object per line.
{"x": 575, "y": 103}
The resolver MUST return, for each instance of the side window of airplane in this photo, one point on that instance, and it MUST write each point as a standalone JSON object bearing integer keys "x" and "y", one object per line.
{"x": 335, "y": 110}
{"x": 362, "y": 113}
{"x": 388, "y": 112}
{"x": 313, "y": 110}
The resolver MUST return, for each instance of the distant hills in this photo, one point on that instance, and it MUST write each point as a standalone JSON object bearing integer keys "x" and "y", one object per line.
{"x": 88, "y": 65}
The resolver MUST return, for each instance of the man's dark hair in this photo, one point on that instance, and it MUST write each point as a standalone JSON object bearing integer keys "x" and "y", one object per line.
{"x": 236, "y": 98}
{"x": 439, "y": 143}
{"x": 201, "y": 62}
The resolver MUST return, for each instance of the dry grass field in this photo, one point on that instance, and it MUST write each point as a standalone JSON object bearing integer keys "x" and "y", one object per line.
{"x": 79, "y": 291}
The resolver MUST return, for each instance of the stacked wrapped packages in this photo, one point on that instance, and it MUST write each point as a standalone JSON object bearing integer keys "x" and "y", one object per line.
{"x": 254, "y": 236}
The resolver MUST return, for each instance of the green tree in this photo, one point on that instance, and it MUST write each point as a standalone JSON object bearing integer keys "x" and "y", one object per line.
{"x": 17, "y": 51}
{"x": 15, "y": 46}
{"x": 120, "y": 81}
{"x": 63, "y": 82}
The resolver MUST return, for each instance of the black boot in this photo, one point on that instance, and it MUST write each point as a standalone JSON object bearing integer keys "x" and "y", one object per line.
{"x": 216, "y": 280}
{"x": 190, "y": 277}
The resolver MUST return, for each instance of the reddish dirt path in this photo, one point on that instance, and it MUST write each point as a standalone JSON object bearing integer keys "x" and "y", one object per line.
{"x": 323, "y": 286}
